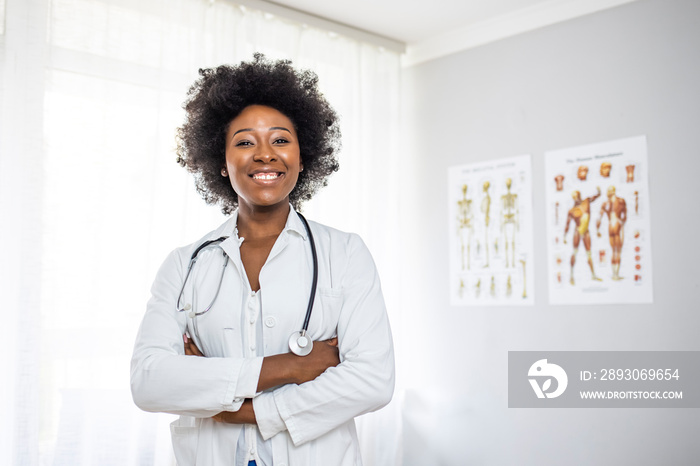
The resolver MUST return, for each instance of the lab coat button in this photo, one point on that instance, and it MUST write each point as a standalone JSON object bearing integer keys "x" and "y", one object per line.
{"x": 270, "y": 321}
{"x": 252, "y": 347}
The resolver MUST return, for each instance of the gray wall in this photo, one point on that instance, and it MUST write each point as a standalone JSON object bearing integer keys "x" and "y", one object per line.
{"x": 628, "y": 71}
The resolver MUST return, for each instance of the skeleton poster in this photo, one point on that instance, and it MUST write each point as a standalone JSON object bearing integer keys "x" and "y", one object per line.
{"x": 599, "y": 244}
{"x": 490, "y": 228}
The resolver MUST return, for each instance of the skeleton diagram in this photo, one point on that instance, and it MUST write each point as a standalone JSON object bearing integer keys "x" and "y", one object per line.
{"x": 524, "y": 277}
{"x": 580, "y": 214}
{"x": 465, "y": 225}
{"x": 486, "y": 209}
{"x": 509, "y": 221}
{"x": 616, "y": 210}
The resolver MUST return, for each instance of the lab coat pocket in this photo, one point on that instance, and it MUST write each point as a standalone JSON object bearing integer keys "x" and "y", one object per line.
{"x": 324, "y": 319}
{"x": 232, "y": 345}
{"x": 185, "y": 436}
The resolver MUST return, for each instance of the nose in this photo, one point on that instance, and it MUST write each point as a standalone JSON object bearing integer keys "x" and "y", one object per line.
{"x": 265, "y": 153}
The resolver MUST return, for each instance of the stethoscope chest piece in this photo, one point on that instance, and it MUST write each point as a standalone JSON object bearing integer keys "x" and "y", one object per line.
{"x": 300, "y": 343}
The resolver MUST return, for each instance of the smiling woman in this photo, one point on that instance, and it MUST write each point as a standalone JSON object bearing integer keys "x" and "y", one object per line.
{"x": 223, "y": 93}
{"x": 214, "y": 344}
{"x": 86, "y": 164}
{"x": 262, "y": 157}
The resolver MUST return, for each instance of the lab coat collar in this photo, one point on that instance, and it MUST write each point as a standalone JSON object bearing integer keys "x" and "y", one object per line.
{"x": 294, "y": 223}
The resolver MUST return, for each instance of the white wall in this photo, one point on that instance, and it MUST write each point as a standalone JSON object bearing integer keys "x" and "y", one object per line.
{"x": 632, "y": 70}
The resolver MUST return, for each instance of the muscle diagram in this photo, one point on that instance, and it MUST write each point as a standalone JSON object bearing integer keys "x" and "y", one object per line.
{"x": 509, "y": 222}
{"x": 580, "y": 215}
{"x": 486, "y": 210}
{"x": 605, "y": 168}
{"x": 559, "y": 180}
{"x": 465, "y": 226}
{"x": 615, "y": 209}
{"x": 582, "y": 173}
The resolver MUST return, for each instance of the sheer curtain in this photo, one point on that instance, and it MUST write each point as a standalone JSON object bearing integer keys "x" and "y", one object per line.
{"x": 91, "y": 199}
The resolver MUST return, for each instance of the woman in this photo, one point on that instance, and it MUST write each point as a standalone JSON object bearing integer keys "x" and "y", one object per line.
{"x": 260, "y": 139}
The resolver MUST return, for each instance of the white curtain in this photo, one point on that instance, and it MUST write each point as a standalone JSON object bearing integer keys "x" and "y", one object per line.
{"x": 91, "y": 200}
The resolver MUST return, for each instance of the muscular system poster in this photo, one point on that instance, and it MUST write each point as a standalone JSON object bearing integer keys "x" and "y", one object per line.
{"x": 598, "y": 235}
{"x": 490, "y": 228}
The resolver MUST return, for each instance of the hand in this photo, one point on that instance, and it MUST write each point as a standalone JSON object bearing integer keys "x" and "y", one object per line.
{"x": 286, "y": 368}
{"x": 324, "y": 354}
{"x": 190, "y": 347}
{"x": 244, "y": 415}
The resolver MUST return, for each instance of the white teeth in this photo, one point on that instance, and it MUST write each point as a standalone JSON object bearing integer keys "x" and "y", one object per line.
{"x": 265, "y": 176}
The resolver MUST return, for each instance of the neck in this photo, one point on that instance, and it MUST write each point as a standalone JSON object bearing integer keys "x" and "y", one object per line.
{"x": 256, "y": 221}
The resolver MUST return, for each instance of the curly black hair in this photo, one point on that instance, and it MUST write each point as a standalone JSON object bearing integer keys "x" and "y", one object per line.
{"x": 220, "y": 94}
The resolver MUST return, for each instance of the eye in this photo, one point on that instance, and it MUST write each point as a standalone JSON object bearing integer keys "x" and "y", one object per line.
{"x": 280, "y": 141}
{"x": 243, "y": 142}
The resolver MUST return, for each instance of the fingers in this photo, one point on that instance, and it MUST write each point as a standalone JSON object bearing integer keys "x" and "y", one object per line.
{"x": 333, "y": 341}
{"x": 194, "y": 351}
{"x": 190, "y": 347}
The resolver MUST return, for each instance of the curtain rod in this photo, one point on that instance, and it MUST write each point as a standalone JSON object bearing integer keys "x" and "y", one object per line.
{"x": 323, "y": 23}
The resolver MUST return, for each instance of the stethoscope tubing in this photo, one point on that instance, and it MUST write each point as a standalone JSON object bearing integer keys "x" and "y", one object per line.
{"x": 193, "y": 260}
{"x": 314, "y": 281}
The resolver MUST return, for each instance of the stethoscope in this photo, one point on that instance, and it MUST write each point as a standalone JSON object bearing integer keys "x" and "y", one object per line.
{"x": 299, "y": 343}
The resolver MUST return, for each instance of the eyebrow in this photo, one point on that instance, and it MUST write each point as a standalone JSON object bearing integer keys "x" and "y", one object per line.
{"x": 271, "y": 129}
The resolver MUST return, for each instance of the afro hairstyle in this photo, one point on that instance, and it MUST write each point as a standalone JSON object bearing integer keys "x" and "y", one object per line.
{"x": 220, "y": 94}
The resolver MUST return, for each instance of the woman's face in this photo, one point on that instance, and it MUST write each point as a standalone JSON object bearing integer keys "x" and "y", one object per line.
{"x": 262, "y": 157}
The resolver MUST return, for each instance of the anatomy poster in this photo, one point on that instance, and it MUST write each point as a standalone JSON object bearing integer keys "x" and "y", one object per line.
{"x": 599, "y": 244}
{"x": 490, "y": 228}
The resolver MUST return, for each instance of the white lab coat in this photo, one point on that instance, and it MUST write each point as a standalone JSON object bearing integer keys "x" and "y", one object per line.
{"x": 309, "y": 424}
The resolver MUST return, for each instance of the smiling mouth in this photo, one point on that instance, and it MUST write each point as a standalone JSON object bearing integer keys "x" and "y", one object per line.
{"x": 266, "y": 176}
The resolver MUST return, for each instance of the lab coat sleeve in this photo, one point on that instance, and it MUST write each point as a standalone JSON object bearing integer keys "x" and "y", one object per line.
{"x": 163, "y": 378}
{"x": 362, "y": 382}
